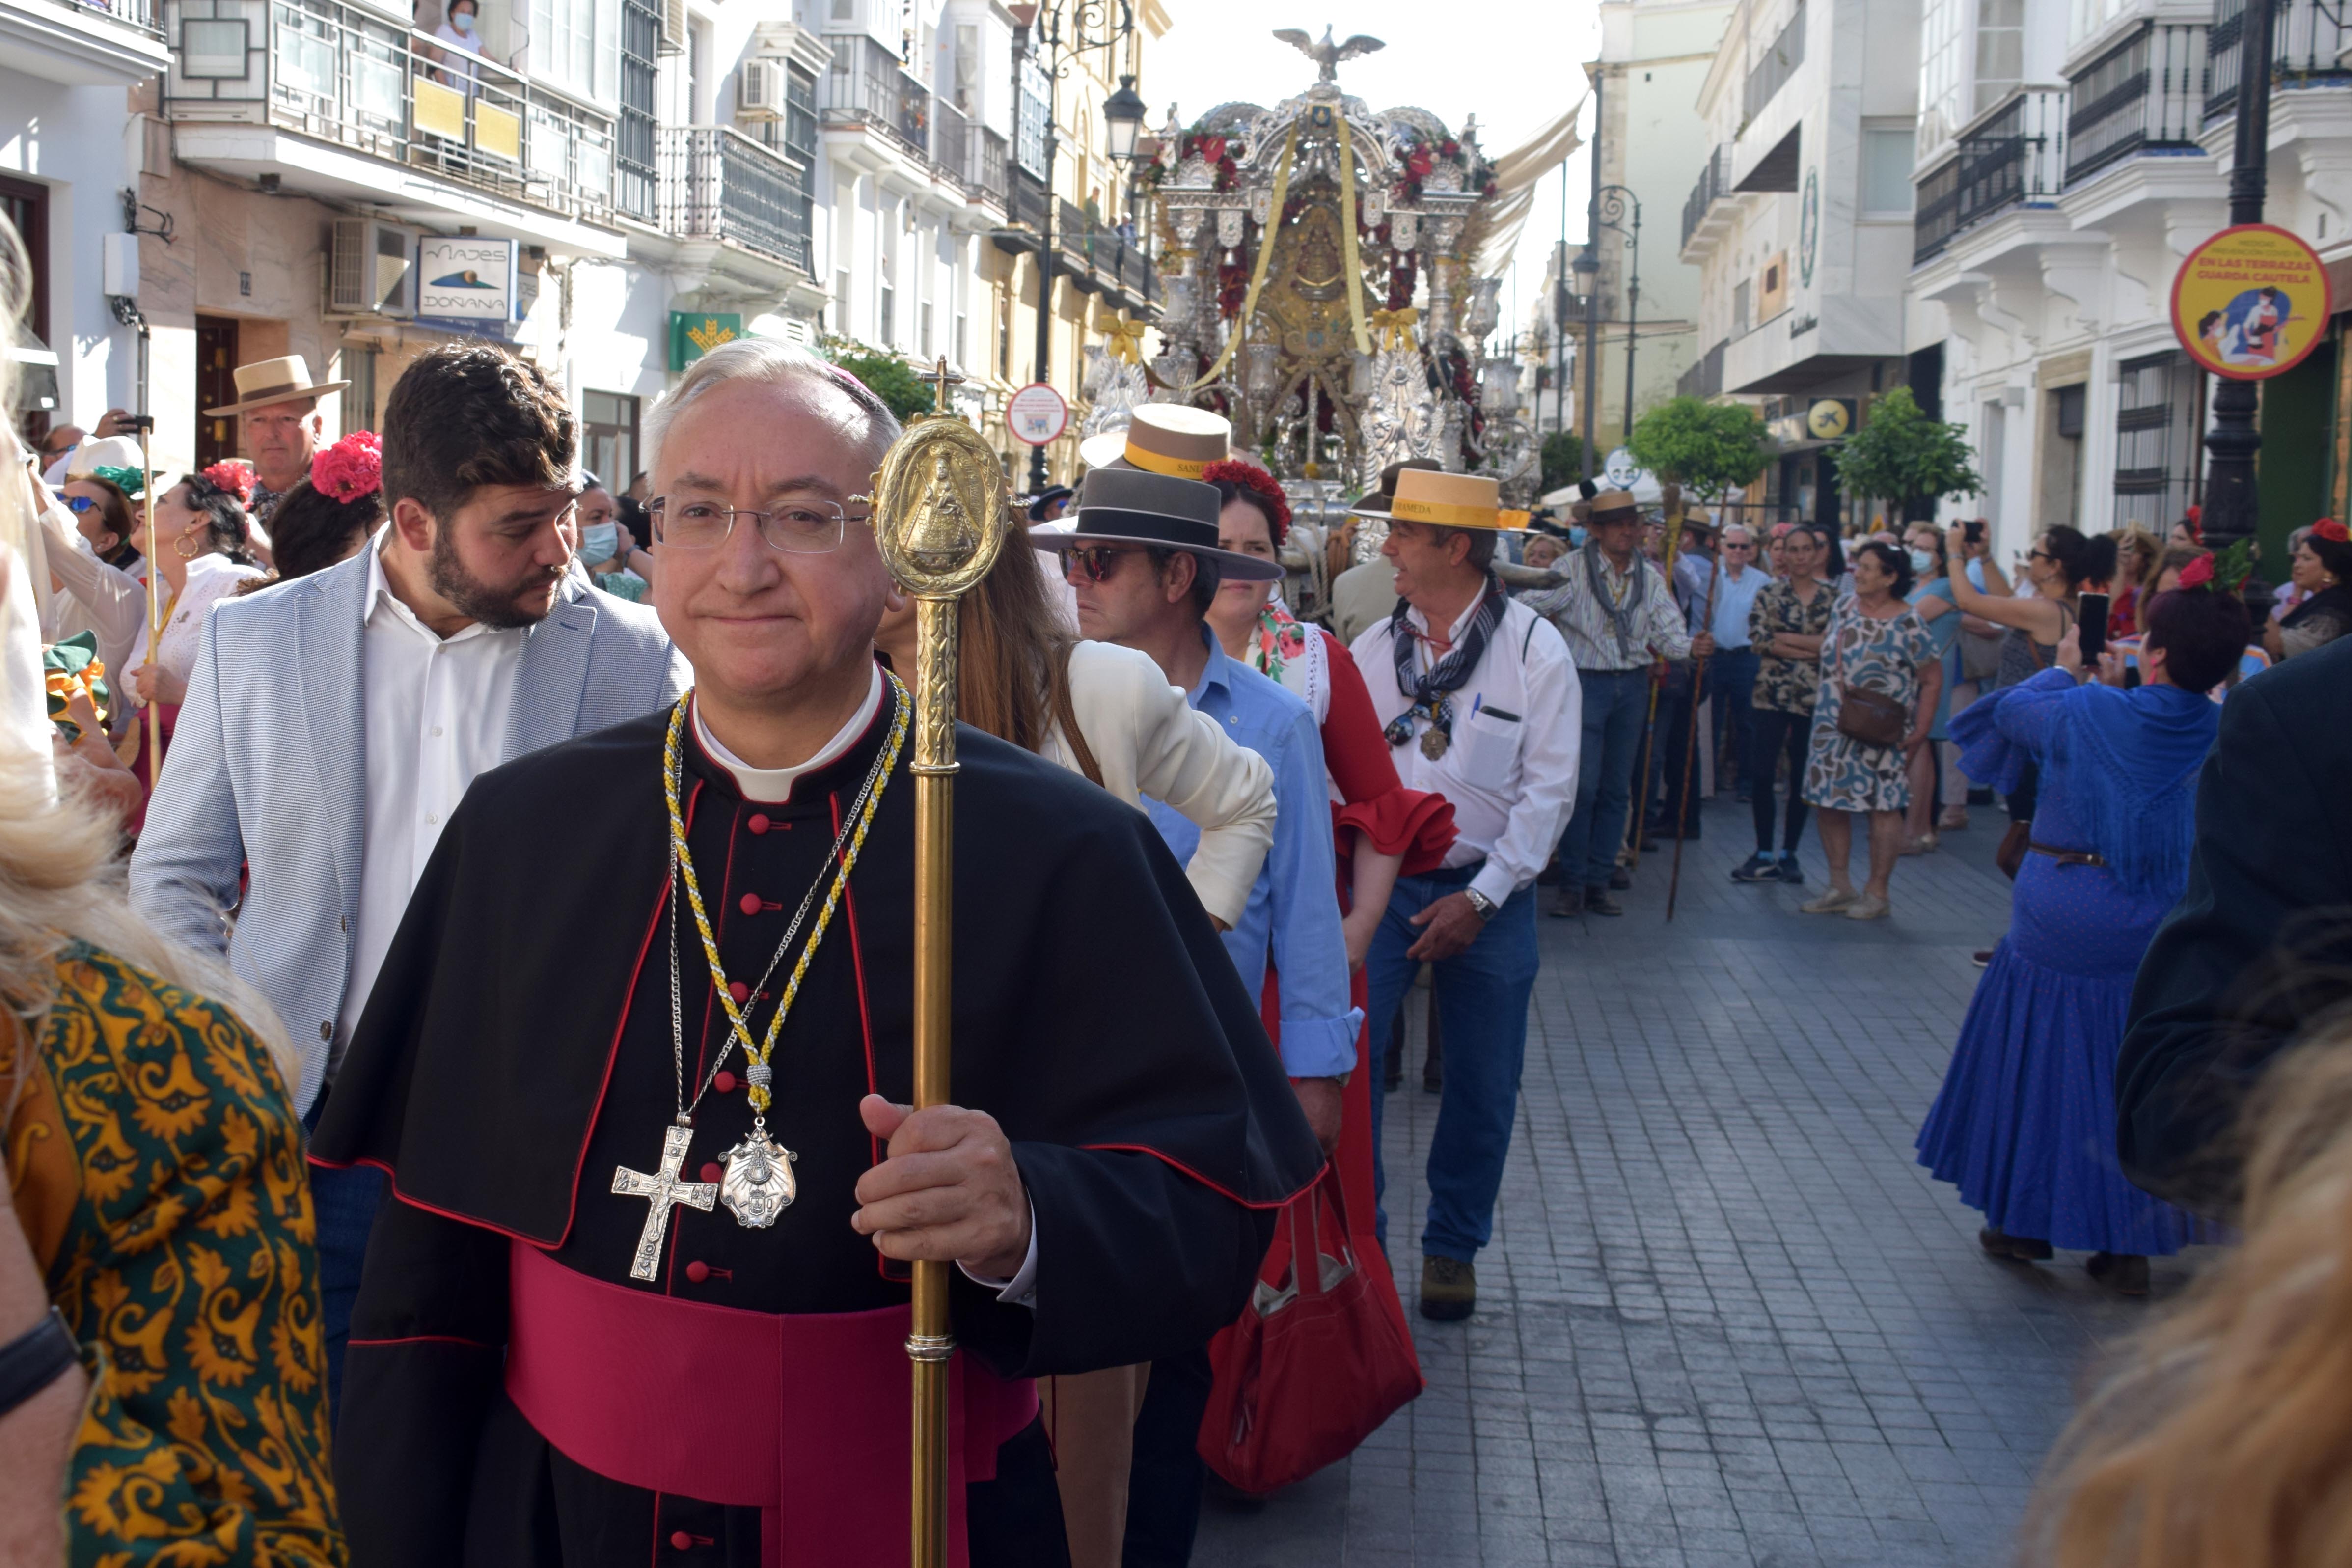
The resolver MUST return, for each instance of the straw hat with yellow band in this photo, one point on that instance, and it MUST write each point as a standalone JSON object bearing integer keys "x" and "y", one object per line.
{"x": 1446, "y": 500}
{"x": 1169, "y": 438}
{"x": 1614, "y": 506}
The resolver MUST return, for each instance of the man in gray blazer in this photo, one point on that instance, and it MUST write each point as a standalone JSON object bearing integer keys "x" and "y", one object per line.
{"x": 333, "y": 723}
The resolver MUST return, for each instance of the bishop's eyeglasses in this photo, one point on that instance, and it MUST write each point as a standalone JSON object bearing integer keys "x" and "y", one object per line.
{"x": 795, "y": 526}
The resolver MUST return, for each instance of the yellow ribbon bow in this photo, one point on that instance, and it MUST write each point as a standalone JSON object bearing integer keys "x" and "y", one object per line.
{"x": 1125, "y": 340}
{"x": 1397, "y": 326}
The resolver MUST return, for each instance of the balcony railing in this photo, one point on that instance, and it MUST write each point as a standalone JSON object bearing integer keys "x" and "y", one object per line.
{"x": 868, "y": 86}
{"x": 2015, "y": 155}
{"x": 951, "y": 139}
{"x": 988, "y": 164}
{"x": 147, "y": 15}
{"x": 719, "y": 183}
{"x": 2308, "y": 41}
{"x": 1777, "y": 63}
{"x": 1705, "y": 376}
{"x": 1025, "y": 200}
{"x": 347, "y": 75}
{"x": 2147, "y": 91}
{"x": 1714, "y": 181}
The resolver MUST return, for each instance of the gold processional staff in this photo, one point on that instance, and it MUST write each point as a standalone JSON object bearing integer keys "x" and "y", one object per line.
{"x": 941, "y": 511}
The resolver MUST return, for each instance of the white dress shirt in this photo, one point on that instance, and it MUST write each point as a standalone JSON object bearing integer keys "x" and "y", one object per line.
{"x": 771, "y": 786}
{"x": 1511, "y": 769}
{"x": 436, "y": 716}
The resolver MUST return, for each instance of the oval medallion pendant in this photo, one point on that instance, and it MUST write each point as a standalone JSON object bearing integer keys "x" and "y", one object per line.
{"x": 1433, "y": 744}
{"x": 759, "y": 1183}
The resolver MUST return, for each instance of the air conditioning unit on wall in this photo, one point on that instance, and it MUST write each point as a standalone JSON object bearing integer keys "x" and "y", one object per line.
{"x": 760, "y": 90}
{"x": 371, "y": 268}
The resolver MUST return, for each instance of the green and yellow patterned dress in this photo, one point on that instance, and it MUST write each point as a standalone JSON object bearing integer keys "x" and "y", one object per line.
{"x": 157, "y": 1168}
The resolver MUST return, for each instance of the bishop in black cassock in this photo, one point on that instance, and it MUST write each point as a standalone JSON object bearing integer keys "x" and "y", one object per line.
{"x": 512, "y": 1394}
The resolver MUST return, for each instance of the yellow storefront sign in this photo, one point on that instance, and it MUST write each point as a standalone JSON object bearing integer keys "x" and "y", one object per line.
{"x": 2251, "y": 301}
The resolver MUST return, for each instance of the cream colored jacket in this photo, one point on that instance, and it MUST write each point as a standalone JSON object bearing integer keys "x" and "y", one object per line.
{"x": 1148, "y": 740}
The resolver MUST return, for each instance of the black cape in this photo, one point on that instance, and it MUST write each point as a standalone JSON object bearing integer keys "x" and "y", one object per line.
{"x": 517, "y": 1047}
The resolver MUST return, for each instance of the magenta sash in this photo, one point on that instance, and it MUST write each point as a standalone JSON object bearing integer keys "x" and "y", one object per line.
{"x": 805, "y": 1417}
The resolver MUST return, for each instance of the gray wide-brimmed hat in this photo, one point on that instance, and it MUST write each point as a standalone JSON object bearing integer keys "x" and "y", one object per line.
{"x": 1132, "y": 506}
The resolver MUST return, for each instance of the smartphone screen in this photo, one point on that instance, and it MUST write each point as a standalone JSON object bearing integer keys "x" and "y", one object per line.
{"x": 2094, "y": 614}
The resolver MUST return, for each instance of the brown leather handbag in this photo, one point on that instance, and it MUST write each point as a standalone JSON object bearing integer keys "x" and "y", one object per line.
{"x": 1871, "y": 717}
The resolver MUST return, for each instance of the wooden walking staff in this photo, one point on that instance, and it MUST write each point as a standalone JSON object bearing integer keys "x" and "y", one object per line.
{"x": 940, "y": 516}
{"x": 1690, "y": 746}
{"x": 145, "y": 425}
{"x": 1635, "y": 819}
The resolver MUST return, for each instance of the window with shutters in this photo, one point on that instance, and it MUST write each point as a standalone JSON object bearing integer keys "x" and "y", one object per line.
{"x": 576, "y": 46}
{"x": 1036, "y": 99}
{"x": 632, "y": 155}
{"x": 799, "y": 115}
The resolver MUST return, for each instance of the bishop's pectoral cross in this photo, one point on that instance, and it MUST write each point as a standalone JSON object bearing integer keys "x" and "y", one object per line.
{"x": 664, "y": 1189}
{"x": 940, "y": 378}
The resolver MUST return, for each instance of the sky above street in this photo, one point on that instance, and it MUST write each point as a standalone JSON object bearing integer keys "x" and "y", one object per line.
{"x": 1513, "y": 63}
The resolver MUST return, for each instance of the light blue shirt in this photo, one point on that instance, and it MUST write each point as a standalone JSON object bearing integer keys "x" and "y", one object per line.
{"x": 1293, "y": 917}
{"x": 1734, "y": 598}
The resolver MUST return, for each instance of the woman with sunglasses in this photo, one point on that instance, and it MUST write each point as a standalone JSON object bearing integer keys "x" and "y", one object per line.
{"x": 203, "y": 555}
{"x": 2057, "y": 566}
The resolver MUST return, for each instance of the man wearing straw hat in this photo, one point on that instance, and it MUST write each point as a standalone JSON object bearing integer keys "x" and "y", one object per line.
{"x": 1617, "y": 612}
{"x": 277, "y": 409}
{"x": 1480, "y": 704}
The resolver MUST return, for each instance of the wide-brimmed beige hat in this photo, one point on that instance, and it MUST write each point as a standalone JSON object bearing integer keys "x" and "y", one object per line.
{"x": 1170, "y": 438}
{"x": 1448, "y": 501}
{"x": 282, "y": 380}
{"x": 1614, "y": 506}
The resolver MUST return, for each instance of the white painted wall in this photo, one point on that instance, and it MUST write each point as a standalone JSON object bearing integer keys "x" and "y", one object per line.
{"x": 77, "y": 141}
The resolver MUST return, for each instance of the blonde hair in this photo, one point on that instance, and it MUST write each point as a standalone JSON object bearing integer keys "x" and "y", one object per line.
{"x": 2221, "y": 1437}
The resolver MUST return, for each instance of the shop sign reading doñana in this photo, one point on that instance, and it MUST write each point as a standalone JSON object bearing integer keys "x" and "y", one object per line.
{"x": 2251, "y": 301}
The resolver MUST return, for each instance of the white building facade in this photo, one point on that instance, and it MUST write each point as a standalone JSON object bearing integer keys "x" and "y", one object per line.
{"x": 2062, "y": 178}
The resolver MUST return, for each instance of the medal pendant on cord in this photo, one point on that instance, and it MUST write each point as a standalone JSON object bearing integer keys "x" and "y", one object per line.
{"x": 758, "y": 1186}
{"x": 1433, "y": 742}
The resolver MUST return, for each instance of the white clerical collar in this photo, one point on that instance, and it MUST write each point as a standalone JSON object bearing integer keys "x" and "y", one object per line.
{"x": 773, "y": 786}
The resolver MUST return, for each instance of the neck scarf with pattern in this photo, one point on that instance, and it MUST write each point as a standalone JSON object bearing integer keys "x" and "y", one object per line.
{"x": 1427, "y": 688}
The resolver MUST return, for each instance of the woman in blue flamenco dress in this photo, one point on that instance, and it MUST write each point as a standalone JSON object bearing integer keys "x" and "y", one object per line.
{"x": 2024, "y": 1126}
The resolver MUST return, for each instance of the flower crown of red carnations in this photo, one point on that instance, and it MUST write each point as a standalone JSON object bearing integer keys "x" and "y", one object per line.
{"x": 2225, "y": 572}
{"x": 350, "y": 469}
{"x": 1259, "y": 483}
{"x": 2330, "y": 529}
{"x": 233, "y": 475}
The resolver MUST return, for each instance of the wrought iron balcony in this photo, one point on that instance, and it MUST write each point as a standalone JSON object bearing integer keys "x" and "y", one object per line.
{"x": 2148, "y": 91}
{"x": 346, "y": 75}
{"x": 1775, "y": 65}
{"x": 868, "y": 86}
{"x": 1026, "y": 202}
{"x": 2015, "y": 154}
{"x": 987, "y": 165}
{"x": 2308, "y": 41}
{"x": 147, "y": 15}
{"x": 1704, "y": 378}
{"x": 718, "y": 184}
{"x": 1714, "y": 181}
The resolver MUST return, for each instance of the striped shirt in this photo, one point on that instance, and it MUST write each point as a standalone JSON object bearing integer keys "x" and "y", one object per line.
{"x": 1658, "y": 629}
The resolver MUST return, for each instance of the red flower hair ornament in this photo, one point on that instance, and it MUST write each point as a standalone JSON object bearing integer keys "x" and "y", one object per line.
{"x": 350, "y": 469}
{"x": 1261, "y": 485}
{"x": 2197, "y": 573}
{"x": 2330, "y": 529}
{"x": 233, "y": 477}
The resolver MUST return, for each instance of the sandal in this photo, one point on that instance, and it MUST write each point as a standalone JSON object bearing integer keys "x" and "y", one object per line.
{"x": 1830, "y": 902}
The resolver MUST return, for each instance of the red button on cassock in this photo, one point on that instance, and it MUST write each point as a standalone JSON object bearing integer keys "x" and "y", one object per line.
{"x": 724, "y": 1083}
{"x": 678, "y": 1539}
{"x": 697, "y": 1271}
{"x": 758, "y": 822}
{"x": 713, "y": 1172}
{"x": 749, "y": 903}
{"x": 738, "y": 991}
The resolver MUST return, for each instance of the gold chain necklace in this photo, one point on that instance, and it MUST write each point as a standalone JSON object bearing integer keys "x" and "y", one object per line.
{"x": 757, "y": 1182}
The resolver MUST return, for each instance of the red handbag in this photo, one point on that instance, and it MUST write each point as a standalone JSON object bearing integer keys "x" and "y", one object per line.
{"x": 1319, "y": 1357}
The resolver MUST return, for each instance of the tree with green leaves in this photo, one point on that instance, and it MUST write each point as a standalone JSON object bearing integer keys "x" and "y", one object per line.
{"x": 1900, "y": 455}
{"x": 1563, "y": 460}
{"x": 1708, "y": 449}
{"x": 892, "y": 379}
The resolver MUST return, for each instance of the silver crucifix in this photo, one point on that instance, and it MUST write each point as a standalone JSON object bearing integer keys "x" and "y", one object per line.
{"x": 664, "y": 1189}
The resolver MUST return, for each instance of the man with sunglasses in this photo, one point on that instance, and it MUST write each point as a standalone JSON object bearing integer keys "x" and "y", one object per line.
{"x": 333, "y": 723}
{"x": 1145, "y": 564}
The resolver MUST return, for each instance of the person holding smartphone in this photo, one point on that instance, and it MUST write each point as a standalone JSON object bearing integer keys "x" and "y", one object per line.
{"x": 2057, "y": 566}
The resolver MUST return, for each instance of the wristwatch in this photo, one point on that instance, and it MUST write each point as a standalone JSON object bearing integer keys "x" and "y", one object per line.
{"x": 1480, "y": 902}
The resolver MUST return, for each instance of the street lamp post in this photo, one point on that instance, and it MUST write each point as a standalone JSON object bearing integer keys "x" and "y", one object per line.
{"x": 2231, "y": 506}
{"x": 1588, "y": 271}
{"x": 1090, "y": 27}
{"x": 1619, "y": 208}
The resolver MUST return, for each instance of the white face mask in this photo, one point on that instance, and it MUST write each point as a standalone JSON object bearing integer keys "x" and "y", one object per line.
{"x": 462, "y": 20}
{"x": 1922, "y": 561}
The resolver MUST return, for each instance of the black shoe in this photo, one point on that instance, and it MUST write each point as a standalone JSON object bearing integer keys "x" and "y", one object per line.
{"x": 1596, "y": 901}
{"x": 1758, "y": 868}
{"x": 2019, "y": 1248}
{"x": 1620, "y": 880}
{"x": 1791, "y": 872}
{"x": 1980, "y": 797}
{"x": 1567, "y": 904}
{"x": 1449, "y": 1288}
{"x": 1649, "y": 844}
{"x": 1981, "y": 957}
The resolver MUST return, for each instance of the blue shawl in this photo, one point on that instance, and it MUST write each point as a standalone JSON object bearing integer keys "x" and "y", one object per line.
{"x": 2127, "y": 763}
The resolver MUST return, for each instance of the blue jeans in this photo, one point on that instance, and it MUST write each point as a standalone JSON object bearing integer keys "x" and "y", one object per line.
{"x": 345, "y": 1202}
{"x": 1615, "y": 703}
{"x": 1481, "y": 993}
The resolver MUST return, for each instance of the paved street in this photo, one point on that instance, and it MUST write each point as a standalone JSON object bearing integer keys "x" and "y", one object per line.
{"x": 1727, "y": 1318}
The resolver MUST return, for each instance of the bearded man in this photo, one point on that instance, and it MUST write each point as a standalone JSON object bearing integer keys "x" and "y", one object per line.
{"x": 333, "y": 723}
{"x": 642, "y": 1091}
